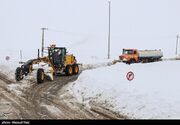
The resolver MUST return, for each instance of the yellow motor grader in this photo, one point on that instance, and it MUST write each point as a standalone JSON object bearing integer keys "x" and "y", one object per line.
{"x": 57, "y": 58}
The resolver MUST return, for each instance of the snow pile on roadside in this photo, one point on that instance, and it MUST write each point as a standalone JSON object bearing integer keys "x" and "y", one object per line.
{"x": 154, "y": 92}
{"x": 97, "y": 64}
{"x": 7, "y": 70}
{"x": 13, "y": 60}
{"x": 8, "y": 67}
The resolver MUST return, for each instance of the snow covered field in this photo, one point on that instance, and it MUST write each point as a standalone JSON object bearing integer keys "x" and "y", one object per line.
{"x": 153, "y": 93}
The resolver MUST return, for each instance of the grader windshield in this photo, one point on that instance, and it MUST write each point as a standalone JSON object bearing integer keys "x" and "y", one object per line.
{"x": 57, "y": 56}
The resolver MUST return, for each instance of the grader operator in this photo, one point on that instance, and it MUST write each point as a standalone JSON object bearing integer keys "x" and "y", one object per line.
{"x": 56, "y": 62}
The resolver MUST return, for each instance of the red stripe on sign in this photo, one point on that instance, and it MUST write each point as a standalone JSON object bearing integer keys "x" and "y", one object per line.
{"x": 130, "y": 76}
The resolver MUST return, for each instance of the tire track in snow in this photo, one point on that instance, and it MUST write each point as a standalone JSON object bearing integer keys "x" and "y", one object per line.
{"x": 4, "y": 78}
{"x": 46, "y": 93}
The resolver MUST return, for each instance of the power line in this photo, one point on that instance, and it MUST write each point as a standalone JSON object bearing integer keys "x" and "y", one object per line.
{"x": 55, "y": 30}
{"x": 66, "y": 32}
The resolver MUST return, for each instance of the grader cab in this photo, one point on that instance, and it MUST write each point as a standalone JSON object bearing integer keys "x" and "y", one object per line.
{"x": 62, "y": 62}
{"x": 58, "y": 61}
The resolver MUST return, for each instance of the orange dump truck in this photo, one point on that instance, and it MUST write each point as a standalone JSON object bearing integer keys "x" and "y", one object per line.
{"x": 135, "y": 56}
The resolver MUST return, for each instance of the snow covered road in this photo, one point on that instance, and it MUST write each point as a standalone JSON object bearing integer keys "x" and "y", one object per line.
{"x": 50, "y": 100}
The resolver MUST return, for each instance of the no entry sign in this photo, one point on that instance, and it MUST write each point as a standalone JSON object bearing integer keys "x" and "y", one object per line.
{"x": 130, "y": 76}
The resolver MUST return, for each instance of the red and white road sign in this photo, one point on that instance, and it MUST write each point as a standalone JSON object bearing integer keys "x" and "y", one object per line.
{"x": 130, "y": 76}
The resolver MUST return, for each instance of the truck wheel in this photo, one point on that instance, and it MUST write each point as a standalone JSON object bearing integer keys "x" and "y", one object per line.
{"x": 19, "y": 74}
{"x": 69, "y": 70}
{"x": 75, "y": 69}
{"x": 133, "y": 61}
{"x": 128, "y": 62}
{"x": 40, "y": 75}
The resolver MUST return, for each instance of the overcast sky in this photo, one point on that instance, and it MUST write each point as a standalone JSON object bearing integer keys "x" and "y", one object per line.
{"x": 142, "y": 24}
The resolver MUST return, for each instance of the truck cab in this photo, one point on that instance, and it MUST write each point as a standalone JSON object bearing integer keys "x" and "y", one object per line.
{"x": 129, "y": 56}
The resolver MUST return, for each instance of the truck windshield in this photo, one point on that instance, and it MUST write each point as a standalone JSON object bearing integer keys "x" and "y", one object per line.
{"x": 127, "y": 51}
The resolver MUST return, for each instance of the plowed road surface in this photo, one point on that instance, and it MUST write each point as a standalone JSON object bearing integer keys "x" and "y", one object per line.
{"x": 47, "y": 101}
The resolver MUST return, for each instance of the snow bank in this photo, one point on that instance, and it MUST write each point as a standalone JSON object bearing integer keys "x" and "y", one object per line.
{"x": 97, "y": 64}
{"x": 154, "y": 92}
{"x": 8, "y": 67}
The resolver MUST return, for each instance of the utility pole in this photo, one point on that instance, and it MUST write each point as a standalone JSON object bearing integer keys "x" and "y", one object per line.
{"x": 109, "y": 2}
{"x": 20, "y": 56}
{"x": 42, "y": 49}
{"x": 177, "y": 40}
{"x": 38, "y": 54}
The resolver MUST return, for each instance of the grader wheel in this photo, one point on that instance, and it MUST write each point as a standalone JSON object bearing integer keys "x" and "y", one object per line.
{"x": 69, "y": 70}
{"x": 19, "y": 74}
{"x": 75, "y": 69}
{"x": 40, "y": 75}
